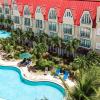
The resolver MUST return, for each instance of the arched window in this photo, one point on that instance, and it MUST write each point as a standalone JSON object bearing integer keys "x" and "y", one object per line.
{"x": 7, "y": 10}
{"x": 38, "y": 10}
{"x": 52, "y": 17}
{"x": 68, "y": 13}
{"x": 27, "y": 20}
{"x": 26, "y": 10}
{"x": 68, "y": 25}
{"x": 16, "y": 15}
{"x": 52, "y": 14}
{"x": 39, "y": 18}
{"x": 85, "y": 32}
{"x": 86, "y": 18}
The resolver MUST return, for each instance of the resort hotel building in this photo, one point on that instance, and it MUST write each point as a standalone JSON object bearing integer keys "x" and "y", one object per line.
{"x": 64, "y": 18}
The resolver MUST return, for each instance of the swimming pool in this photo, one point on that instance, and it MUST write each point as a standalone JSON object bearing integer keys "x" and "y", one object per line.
{"x": 4, "y": 34}
{"x": 14, "y": 87}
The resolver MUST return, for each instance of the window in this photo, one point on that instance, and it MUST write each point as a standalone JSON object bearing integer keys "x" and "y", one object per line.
{"x": 54, "y": 34}
{"x": 67, "y": 29}
{"x": 27, "y": 21}
{"x": 39, "y": 24}
{"x": 52, "y": 14}
{"x": 85, "y": 43}
{"x": 85, "y": 32}
{"x": 16, "y": 19}
{"x": 26, "y": 11}
{"x": 67, "y": 37}
{"x": 52, "y": 26}
{"x": 0, "y": 10}
{"x": 86, "y": 19}
{"x": 6, "y": 10}
{"x": 38, "y": 10}
{"x": 68, "y": 13}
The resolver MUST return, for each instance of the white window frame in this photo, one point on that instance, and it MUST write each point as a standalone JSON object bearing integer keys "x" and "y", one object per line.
{"x": 52, "y": 12}
{"x": 68, "y": 14}
{"x": 86, "y": 21}
{"x": 39, "y": 17}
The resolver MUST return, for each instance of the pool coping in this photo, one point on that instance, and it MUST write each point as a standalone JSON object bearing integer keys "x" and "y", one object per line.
{"x": 55, "y": 80}
{"x": 24, "y": 76}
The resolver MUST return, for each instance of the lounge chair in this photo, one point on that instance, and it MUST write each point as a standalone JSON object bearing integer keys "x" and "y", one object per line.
{"x": 57, "y": 72}
{"x": 28, "y": 63}
{"x": 66, "y": 75}
{"x": 21, "y": 63}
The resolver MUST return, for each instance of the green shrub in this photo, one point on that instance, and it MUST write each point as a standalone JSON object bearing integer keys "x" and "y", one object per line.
{"x": 42, "y": 63}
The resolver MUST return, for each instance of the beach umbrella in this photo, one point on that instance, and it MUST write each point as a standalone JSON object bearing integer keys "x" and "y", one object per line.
{"x": 25, "y": 55}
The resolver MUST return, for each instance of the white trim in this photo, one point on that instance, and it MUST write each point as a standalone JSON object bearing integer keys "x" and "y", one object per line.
{"x": 86, "y": 12}
{"x": 50, "y": 10}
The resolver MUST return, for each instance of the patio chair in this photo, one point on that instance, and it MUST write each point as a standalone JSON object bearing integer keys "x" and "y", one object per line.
{"x": 57, "y": 72}
{"x": 66, "y": 75}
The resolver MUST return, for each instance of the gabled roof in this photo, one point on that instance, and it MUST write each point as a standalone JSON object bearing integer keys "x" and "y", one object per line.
{"x": 77, "y": 7}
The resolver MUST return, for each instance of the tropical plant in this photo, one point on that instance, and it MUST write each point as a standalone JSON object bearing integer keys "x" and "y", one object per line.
{"x": 42, "y": 63}
{"x": 72, "y": 46}
{"x": 87, "y": 85}
{"x": 80, "y": 62}
{"x": 39, "y": 49}
{"x": 93, "y": 58}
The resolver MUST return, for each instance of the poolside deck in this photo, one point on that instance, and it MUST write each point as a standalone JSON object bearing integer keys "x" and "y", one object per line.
{"x": 35, "y": 76}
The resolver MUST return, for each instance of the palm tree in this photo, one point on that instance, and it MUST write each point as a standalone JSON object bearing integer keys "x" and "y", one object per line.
{"x": 8, "y": 48}
{"x": 92, "y": 57}
{"x": 87, "y": 86}
{"x": 72, "y": 46}
{"x": 39, "y": 49}
{"x": 76, "y": 44}
{"x": 80, "y": 62}
{"x": 55, "y": 42}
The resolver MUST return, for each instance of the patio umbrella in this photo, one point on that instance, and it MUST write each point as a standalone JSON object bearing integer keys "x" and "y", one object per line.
{"x": 25, "y": 55}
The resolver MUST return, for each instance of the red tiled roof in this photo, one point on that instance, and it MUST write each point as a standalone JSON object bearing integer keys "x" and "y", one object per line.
{"x": 1, "y": 1}
{"x": 77, "y": 7}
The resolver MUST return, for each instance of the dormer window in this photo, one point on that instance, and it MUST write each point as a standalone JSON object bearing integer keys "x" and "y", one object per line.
{"x": 86, "y": 19}
{"x": 6, "y": 10}
{"x": 52, "y": 14}
{"x": 38, "y": 10}
{"x": 39, "y": 18}
{"x": 67, "y": 13}
{"x": 26, "y": 11}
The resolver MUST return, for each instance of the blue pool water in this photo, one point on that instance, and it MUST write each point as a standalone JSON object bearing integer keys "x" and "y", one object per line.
{"x": 4, "y": 34}
{"x": 14, "y": 87}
